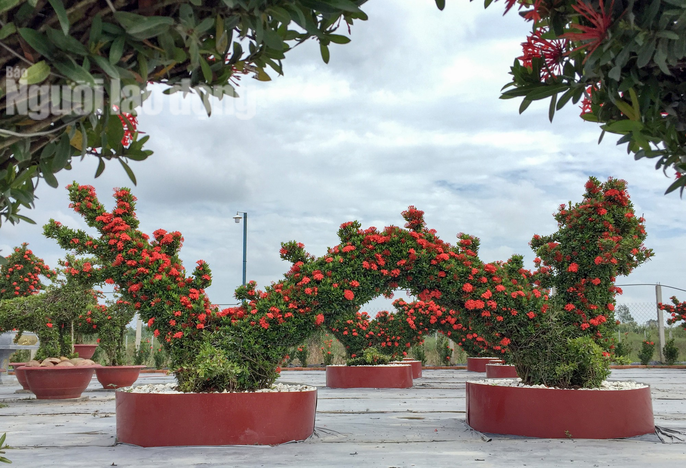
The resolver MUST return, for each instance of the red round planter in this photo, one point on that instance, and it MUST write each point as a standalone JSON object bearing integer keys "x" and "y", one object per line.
{"x": 85, "y": 351}
{"x": 500, "y": 371}
{"x": 56, "y": 383}
{"x": 396, "y": 376}
{"x": 21, "y": 375}
{"x": 416, "y": 367}
{"x": 159, "y": 420}
{"x": 112, "y": 377}
{"x": 478, "y": 364}
{"x": 556, "y": 413}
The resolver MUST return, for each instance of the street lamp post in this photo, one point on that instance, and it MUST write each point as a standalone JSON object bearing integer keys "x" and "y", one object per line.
{"x": 238, "y": 218}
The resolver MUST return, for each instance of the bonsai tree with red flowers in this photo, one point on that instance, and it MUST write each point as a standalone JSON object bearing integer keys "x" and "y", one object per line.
{"x": 501, "y": 305}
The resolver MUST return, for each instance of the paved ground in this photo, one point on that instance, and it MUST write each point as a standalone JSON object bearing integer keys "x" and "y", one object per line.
{"x": 423, "y": 426}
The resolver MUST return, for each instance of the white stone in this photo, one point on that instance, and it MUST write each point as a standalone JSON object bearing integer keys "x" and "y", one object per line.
{"x": 606, "y": 385}
{"x": 170, "y": 388}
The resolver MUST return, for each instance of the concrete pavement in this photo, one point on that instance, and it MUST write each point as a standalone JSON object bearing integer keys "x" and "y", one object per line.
{"x": 423, "y": 426}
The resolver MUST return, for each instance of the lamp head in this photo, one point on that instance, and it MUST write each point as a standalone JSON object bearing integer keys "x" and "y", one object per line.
{"x": 237, "y": 218}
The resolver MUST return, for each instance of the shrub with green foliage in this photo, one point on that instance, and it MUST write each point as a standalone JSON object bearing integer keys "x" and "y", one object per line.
{"x": 445, "y": 352}
{"x": 419, "y": 353}
{"x": 671, "y": 352}
{"x": 646, "y": 352}
{"x": 301, "y": 353}
{"x": 370, "y": 357}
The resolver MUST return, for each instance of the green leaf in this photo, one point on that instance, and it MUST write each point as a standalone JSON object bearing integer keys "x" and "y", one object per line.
{"x": 7, "y": 30}
{"x": 524, "y": 105}
{"x": 262, "y": 75}
{"x": 62, "y": 154}
{"x": 441, "y": 4}
{"x": 338, "y": 39}
{"x": 96, "y": 30}
{"x": 623, "y": 126}
{"x": 36, "y": 73}
{"x": 325, "y": 52}
{"x": 106, "y": 66}
{"x": 680, "y": 182}
{"x": 551, "y": 109}
{"x": 8, "y": 5}
{"x": 206, "y": 71}
{"x": 626, "y": 109}
{"x": 645, "y": 54}
{"x": 58, "y": 6}
{"x": 129, "y": 172}
{"x": 115, "y": 131}
{"x": 564, "y": 99}
{"x": 73, "y": 71}
{"x": 668, "y": 35}
{"x": 101, "y": 167}
{"x": 47, "y": 174}
{"x": 143, "y": 27}
{"x": 66, "y": 43}
{"x": 117, "y": 49}
{"x": 37, "y": 41}
{"x": 345, "y": 5}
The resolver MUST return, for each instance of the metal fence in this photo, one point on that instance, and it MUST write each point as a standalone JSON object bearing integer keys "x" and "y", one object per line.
{"x": 646, "y": 316}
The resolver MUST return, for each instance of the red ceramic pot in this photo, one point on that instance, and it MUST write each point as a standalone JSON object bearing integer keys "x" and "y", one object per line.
{"x": 416, "y": 367}
{"x": 269, "y": 418}
{"x": 85, "y": 351}
{"x": 478, "y": 364}
{"x": 500, "y": 371}
{"x": 557, "y": 413}
{"x": 19, "y": 372}
{"x": 396, "y": 376}
{"x": 112, "y": 377}
{"x": 56, "y": 383}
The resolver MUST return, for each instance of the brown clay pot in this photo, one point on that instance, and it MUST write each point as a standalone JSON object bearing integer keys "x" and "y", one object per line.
{"x": 269, "y": 418}
{"x": 19, "y": 372}
{"x": 500, "y": 371}
{"x": 397, "y": 376}
{"x": 85, "y": 351}
{"x": 416, "y": 367}
{"x": 57, "y": 383}
{"x": 112, "y": 377}
{"x": 478, "y": 364}
{"x": 559, "y": 413}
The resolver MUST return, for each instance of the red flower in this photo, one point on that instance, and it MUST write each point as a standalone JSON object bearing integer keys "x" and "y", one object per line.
{"x": 573, "y": 268}
{"x": 49, "y": 325}
{"x": 592, "y": 36}
{"x": 349, "y": 295}
{"x": 319, "y": 319}
{"x": 552, "y": 52}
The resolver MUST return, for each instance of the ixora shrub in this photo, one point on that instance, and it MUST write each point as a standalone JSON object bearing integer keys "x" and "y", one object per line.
{"x": 678, "y": 311}
{"x": 21, "y": 272}
{"x": 501, "y": 305}
{"x": 49, "y": 315}
{"x": 645, "y": 354}
{"x": 109, "y": 322}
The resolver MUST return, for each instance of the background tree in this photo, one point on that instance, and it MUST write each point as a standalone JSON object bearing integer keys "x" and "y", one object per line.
{"x": 625, "y": 60}
{"x": 203, "y": 47}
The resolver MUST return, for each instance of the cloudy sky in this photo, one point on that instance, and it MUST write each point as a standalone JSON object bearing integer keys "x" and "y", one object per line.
{"x": 407, "y": 114}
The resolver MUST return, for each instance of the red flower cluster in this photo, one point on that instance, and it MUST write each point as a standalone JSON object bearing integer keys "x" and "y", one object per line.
{"x": 20, "y": 275}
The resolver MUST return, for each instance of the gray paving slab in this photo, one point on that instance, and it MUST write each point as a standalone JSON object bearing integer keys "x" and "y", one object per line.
{"x": 423, "y": 426}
